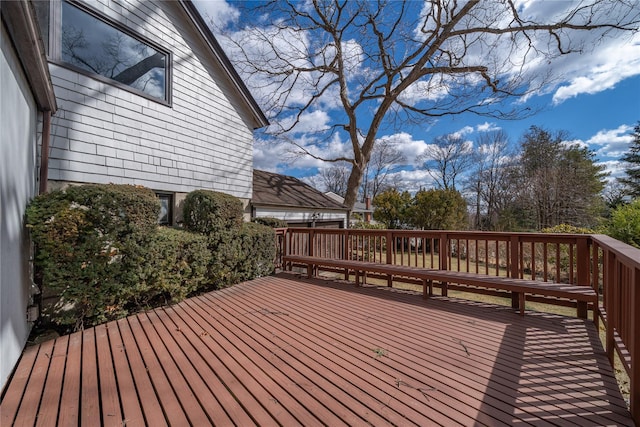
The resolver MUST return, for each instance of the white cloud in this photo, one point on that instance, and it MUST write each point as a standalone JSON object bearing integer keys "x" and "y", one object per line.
{"x": 217, "y": 12}
{"x": 487, "y": 127}
{"x": 425, "y": 90}
{"x": 575, "y": 142}
{"x": 269, "y": 155}
{"x": 413, "y": 180}
{"x": 611, "y": 143}
{"x": 601, "y": 70}
{"x": 309, "y": 122}
{"x": 462, "y": 132}
{"x": 615, "y": 169}
{"x": 598, "y": 62}
{"x": 410, "y": 148}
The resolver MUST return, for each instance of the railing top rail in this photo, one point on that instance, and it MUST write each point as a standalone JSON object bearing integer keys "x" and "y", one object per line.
{"x": 455, "y": 234}
{"x": 627, "y": 254}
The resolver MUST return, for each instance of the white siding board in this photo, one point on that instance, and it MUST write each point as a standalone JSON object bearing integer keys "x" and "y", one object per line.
{"x": 199, "y": 142}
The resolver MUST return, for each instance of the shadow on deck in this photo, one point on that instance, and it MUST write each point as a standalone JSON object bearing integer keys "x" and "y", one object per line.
{"x": 288, "y": 351}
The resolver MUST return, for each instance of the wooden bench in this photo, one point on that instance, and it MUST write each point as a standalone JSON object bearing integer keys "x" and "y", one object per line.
{"x": 583, "y": 295}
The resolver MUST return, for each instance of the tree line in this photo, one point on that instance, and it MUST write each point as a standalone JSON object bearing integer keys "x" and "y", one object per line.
{"x": 543, "y": 183}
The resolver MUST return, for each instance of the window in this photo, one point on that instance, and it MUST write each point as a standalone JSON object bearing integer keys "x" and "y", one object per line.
{"x": 106, "y": 50}
{"x": 166, "y": 208}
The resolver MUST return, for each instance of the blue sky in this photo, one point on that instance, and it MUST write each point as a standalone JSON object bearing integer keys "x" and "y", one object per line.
{"x": 595, "y": 98}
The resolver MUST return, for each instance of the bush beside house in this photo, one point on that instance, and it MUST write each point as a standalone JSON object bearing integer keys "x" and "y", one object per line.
{"x": 100, "y": 254}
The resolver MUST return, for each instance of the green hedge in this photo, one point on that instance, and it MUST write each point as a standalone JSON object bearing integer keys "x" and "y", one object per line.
{"x": 174, "y": 265}
{"x": 271, "y": 222}
{"x": 88, "y": 240}
{"x": 257, "y": 243}
{"x": 100, "y": 252}
{"x": 242, "y": 254}
{"x": 210, "y": 212}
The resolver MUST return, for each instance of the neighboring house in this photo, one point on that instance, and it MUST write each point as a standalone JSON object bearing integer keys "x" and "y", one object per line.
{"x": 26, "y": 103}
{"x": 145, "y": 96}
{"x": 362, "y": 210}
{"x": 289, "y": 199}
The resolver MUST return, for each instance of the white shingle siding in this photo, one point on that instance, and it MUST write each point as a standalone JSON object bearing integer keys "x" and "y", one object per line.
{"x": 103, "y": 134}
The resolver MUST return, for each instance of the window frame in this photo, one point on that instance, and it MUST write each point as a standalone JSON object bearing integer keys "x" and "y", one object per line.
{"x": 55, "y": 49}
{"x": 170, "y": 197}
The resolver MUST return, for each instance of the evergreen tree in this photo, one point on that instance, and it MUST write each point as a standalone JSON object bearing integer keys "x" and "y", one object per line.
{"x": 557, "y": 183}
{"x": 391, "y": 208}
{"x": 632, "y": 171}
{"x": 439, "y": 209}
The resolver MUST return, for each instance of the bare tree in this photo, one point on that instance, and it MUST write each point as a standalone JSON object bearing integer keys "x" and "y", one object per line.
{"x": 446, "y": 159}
{"x": 385, "y": 160}
{"x": 382, "y": 64}
{"x": 490, "y": 179}
{"x": 334, "y": 179}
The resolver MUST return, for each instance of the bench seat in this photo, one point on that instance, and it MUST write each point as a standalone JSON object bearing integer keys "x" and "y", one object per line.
{"x": 583, "y": 295}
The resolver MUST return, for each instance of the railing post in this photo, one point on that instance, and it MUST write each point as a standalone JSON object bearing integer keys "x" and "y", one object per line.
{"x": 312, "y": 243}
{"x": 609, "y": 279}
{"x": 582, "y": 272}
{"x": 287, "y": 244}
{"x": 391, "y": 246}
{"x": 444, "y": 261}
{"x": 582, "y": 262}
{"x": 444, "y": 252}
{"x": 346, "y": 249}
{"x": 345, "y": 241}
{"x": 634, "y": 345}
{"x": 514, "y": 271}
{"x": 514, "y": 257}
{"x": 595, "y": 282}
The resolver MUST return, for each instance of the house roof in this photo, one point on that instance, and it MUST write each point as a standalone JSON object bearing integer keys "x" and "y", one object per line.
{"x": 357, "y": 206}
{"x": 272, "y": 189}
{"x": 224, "y": 62}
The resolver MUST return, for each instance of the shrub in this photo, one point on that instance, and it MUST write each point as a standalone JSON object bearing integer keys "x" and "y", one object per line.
{"x": 87, "y": 240}
{"x": 100, "y": 253}
{"x": 210, "y": 212}
{"x": 625, "y": 223}
{"x": 257, "y": 243}
{"x": 175, "y": 265}
{"x": 242, "y": 254}
{"x": 117, "y": 210}
{"x": 362, "y": 225}
{"x": 271, "y": 222}
{"x": 569, "y": 229}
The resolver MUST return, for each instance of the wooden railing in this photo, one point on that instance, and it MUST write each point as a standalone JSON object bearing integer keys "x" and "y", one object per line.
{"x": 610, "y": 267}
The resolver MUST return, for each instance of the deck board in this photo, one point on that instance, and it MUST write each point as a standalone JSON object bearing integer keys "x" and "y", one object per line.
{"x": 128, "y": 398}
{"x": 288, "y": 351}
{"x": 50, "y": 401}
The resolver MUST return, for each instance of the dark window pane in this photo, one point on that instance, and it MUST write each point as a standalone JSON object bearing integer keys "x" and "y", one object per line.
{"x": 99, "y": 48}
{"x": 166, "y": 202}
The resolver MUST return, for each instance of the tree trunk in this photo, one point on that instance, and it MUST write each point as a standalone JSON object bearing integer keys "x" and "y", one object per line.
{"x": 351, "y": 197}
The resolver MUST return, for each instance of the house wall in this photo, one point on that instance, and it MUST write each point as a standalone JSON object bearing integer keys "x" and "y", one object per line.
{"x": 18, "y": 121}
{"x": 301, "y": 215}
{"x": 104, "y": 134}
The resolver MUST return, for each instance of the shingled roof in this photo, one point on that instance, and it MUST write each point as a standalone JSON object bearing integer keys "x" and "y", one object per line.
{"x": 273, "y": 189}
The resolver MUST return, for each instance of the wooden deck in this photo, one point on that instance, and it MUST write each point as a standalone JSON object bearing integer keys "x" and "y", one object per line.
{"x": 287, "y": 351}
